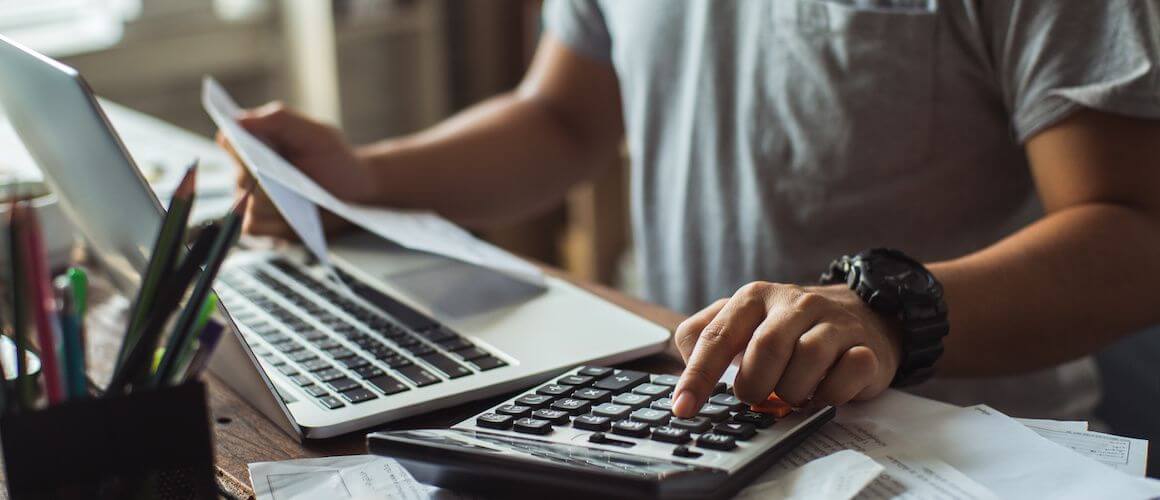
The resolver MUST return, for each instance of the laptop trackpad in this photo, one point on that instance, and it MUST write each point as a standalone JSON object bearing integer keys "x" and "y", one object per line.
{"x": 460, "y": 290}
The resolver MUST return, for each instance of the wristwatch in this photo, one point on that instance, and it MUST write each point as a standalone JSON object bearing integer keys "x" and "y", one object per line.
{"x": 898, "y": 287}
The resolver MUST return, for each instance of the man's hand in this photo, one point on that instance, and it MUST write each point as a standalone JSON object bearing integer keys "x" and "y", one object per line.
{"x": 318, "y": 150}
{"x": 814, "y": 344}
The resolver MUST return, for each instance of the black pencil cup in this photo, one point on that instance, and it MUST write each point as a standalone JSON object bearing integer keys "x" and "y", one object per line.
{"x": 149, "y": 444}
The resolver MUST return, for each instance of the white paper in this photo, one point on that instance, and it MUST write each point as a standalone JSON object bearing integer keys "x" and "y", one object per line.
{"x": 361, "y": 477}
{"x": 1058, "y": 425}
{"x": 1125, "y": 454}
{"x": 416, "y": 230}
{"x": 839, "y": 476}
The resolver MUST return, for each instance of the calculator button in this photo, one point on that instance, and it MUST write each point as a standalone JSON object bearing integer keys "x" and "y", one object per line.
{"x": 534, "y": 400}
{"x": 488, "y": 362}
{"x": 517, "y": 411}
{"x": 554, "y": 390}
{"x": 684, "y": 451}
{"x": 417, "y": 375}
{"x": 630, "y": 399}
{"x": 532, "y": 426}
{"x": 651, "y": 417}
{"x": 714, "y": 412}
{"x": 594, "y": 395}
{"x": 695, "y": 425}
{"x": 653, "y": 390}
{"x": 602, "y": 438}
{"x": 330, "y": 402}
{"x": 358, "y": 395}
{"x": 738, "y": 430}
{"x": 760, "y": 420}
{"x": 716, "y": 442}
{"x": 556, "y": 417}
{"x": 673, "y": 435}
{"x": 665, "y": 404}
{"x": 622, "y": 380}
{"x": 669, "y": 380}
{"x": 576, "y": 380}
{"x": 611, "y": 410}
{"x": 727, "y": 400}
{"x": 594, "y": 371}
{"x": 773, "y": 406}
{"x": 446, "y": 365}
{"x": 494, "y": 421}
{"x": 722, "y": 387}
{"x": 342, "y": 384}
{"x": 571, "y": 406}
{"x": 314, "y": 390}
{"x": 630, "y": 428}
{"x": 387, "y": 384}
{"x": 592, "y": 423}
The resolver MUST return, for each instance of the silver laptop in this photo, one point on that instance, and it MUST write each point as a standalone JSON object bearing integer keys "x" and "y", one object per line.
{"x": 418, "y": 333}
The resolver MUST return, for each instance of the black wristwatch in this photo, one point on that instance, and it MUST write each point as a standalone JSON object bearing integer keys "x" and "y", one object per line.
{"x": 899, "y": 287}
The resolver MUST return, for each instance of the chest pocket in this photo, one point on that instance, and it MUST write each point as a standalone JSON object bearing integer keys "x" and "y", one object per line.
{"x": 851, "y": 88}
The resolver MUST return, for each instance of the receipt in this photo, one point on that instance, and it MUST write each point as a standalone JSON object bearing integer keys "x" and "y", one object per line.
{"x": 354, "y": 477}
{"x": 839, "y": 476}
{"x": 1122, "y": 453}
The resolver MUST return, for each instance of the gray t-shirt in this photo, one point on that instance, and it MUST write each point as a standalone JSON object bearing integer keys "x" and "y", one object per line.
{"x": 769, "y": 136}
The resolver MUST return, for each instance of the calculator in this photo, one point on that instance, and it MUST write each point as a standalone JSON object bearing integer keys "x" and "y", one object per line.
{"x": 598, "y": 432}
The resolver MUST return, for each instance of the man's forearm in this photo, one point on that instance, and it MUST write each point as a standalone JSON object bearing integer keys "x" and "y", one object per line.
{"x": 1059, "y": 289}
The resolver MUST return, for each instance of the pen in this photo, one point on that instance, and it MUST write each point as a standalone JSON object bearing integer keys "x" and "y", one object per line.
{"x": 46, "y": 331}
{"x": 165, "y": 249}
{"x": 206, "y": 342}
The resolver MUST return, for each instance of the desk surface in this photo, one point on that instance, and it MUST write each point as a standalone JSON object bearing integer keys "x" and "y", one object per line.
{"x": 242, "y": 435}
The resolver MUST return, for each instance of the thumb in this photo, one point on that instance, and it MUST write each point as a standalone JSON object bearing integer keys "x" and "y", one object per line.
{"x": 285, "y": 129}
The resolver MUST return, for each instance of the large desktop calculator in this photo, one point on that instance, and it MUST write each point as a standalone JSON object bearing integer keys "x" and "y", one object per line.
{"x": 597, "y": 433}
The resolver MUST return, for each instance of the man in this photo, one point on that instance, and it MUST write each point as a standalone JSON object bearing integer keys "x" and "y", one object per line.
{"x": 1008, "y": 145}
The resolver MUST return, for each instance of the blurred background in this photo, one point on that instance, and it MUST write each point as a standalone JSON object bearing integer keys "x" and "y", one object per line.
{"x": 377, "y": 68}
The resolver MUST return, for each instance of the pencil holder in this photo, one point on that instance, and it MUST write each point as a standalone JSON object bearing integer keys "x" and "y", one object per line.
{"x": 148, "y": 444}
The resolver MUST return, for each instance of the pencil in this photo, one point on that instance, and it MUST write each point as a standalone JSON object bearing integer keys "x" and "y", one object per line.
{"x": 183, "y": 331}
{"x": 161, "y": 262}
{"x": 206, "y": 342}
{"x": 42, "y": 305}
{"x": 70, "y": 328}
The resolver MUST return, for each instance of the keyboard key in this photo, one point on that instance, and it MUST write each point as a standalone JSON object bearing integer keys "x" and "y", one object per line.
{"x": 301, "y": 356}
{"x": 288, "y": 347}
{"x": 488, "y": 362}
{"x": 594, "y": 371}
{"x": 354, "y": 362}
{"x": 727, "y": 400}
{"x": 630, "y": 399}
{"x": 406, "y": 315}
{"x": 387, "y": 384}
{"x": 554, "y": 390}
{"x": 664, "y": 404}
{"x": 494, "y": 421}
{"x": 419, "y": 349}
{"x": 716, "y": 442}
{"x": 592, "y": 423}
{"x": 571, "y": 406}
{"x": 534, "y": 400}
{"x": 468, "y": 353}
{"x": 518, "y": 411}
{"x": 343, "y": 384}
{"x": 369, "y": 371}
{"x": 738, "y": 430}
{"x": 340, "y": 352}
{"x": 302, "y": 380}
{"x": 623, "y": 380}
{"x": 611, "y": 410}
{"x": 326, "y": 343}
{"x": 759, "y": 420}
{"x": 359, "y": 395}
{"x": 458, "y": 343}
{"x": 666, "y": 434}
{"x": 651, "y": 417}
{"x": 331, "y": 402}
{"x": 669, "y": 380}
{"x": 556, "y": 417}
{"x": 314, "y": 365}
{"x": 532, "y": 426}
{"x": 314, "y": 390}
{"x": 714, "y": 412}
{"x": 653, "y": 390}
{"x": 288, "y": 370}
{"x": 439, "y": 335}
{"x": 594, "y": 395}
{"x": 446, "y": 365}
{"x": 576, "y": 380}
{"x": 397, "y": 361}
{"x": 630, "y": 428}
{"x": 328, "y": 375}
{"x": 695, "y": 425}
{"x": 417, "y": 375}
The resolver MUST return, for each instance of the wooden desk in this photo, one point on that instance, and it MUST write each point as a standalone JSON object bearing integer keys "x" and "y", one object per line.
{"x": 243, "y": 436}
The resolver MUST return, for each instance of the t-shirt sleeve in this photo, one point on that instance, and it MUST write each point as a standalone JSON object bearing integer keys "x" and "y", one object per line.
{"x": 1053, "y": 57}
{"x": 580, "y": 25}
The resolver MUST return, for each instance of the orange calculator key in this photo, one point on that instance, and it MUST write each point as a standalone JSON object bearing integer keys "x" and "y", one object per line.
{"x": 773, "y": 406}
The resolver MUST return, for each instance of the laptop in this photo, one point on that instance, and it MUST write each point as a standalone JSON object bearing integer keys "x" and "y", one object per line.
{"x": 404, "y": 334}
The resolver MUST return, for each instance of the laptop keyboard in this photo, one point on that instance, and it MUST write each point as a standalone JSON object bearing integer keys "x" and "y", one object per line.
{"x": 334, "y": 347}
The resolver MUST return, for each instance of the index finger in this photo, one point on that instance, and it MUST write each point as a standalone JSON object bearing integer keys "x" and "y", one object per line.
{"x": 718, "y": 343}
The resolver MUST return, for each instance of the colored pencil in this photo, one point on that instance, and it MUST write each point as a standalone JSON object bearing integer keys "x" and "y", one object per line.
{"x": 76, "y": 386}
{"x": 36, "y": 276}
{"x": 161, "y": 262}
